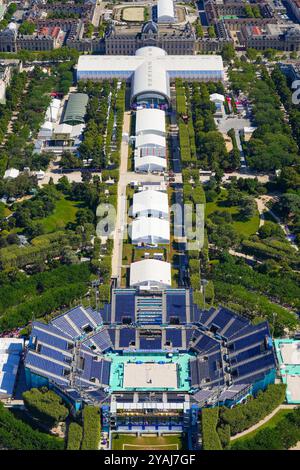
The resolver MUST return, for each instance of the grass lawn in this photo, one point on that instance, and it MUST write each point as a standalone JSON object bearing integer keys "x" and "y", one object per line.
{"x": 269, "y": 424}
{"x": 247, "y": 228}
{"x": 132, "y": 442}
{"x": 64, "y": 212}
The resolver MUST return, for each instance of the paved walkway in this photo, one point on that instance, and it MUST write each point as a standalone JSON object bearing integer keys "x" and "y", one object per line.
{"x": 263, "y": 421}
{"x": 121, "y": 209}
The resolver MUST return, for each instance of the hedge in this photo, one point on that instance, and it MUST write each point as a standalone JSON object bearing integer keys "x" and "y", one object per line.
{"x": 283, "y": 436}
{"x": 224, "y": 435}
{"x": 210, "y": 437}
{"x": 91, "y": 428}
{"x": 74, "y": 436}
{"x": 246, "y": 415}
{"x": 17, "y": 435}
{"x": 45, "y": 405}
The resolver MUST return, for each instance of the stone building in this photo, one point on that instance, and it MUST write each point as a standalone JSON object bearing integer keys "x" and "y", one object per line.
{"x": 174, "y": 40}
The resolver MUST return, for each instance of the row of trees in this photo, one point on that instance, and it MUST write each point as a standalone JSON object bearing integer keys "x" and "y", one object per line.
{"x": 18, "y": 149}
{"x": 13, "y": 95}
{"x": 244, "y": 416}
{"x": 219, "y": 424}
{"x": 91, "y": 428}
{"x": 209, "y": 422}
{"x": 284, "y": 435}
{"x": 105, "y": 104}
{"x": 46, "y": 406}
{"x": 237, "y": 271}
{"x": 17, "y": 435}
{"x": 74, "y": 439}
{"x": 272, "y": 146}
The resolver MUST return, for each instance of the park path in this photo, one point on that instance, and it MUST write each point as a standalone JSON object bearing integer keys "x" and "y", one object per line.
{"x": 263, "y": 209}
{"x": 263, "y": 421}
{"x": 121, "y": 207}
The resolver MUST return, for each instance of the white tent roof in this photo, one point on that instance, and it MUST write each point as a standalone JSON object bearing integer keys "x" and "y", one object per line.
{"x": 148, "y": 270}
{"x": 52, "y": 110}
{"x": 63, "y": 129}
{"x": 249, "y": 130}
{"x": 150, "y": 79}
{"x": 47, "y": 126}
{"x": 216, "y": 97}
{"x": 151, "y": 69}
{"x": 171, "y": 63}
{"x": 165, "y": 9}
{"x": 11, "y": 173}
{"x": 150, "y": 227}
{"x": 150, "y": 161}
{"x": 77, "y": 130}
{"x": 150, "y": 201}
{"x": 149, "y": 121}
{"x": 150, "y": 140}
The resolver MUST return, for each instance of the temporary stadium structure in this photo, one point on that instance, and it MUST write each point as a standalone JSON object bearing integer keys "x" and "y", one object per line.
{"x": 165, "y": 11}
{"x": 150, "y": 71}
{"x": 150, "y": 121}
{"x": 150, "y": 203}
{"x": 149, "y": 230}
{"x": 215, "y": 355}
{"x": 150, "y": 274}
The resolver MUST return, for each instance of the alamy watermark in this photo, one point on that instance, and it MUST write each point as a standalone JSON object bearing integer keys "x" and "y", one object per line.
{"x": 296, "y": 93}
{"x": 186, "y": 222}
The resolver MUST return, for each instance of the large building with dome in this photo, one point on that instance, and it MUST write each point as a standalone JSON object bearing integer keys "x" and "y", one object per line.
{"x": 175, "y": 41}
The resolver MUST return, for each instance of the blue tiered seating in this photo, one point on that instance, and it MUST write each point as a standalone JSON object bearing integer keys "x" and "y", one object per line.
{"x": 174, "y": 335}
{"x": 189, "y": 335}
{"x": 112, "y": 335}
{"x": 96, "y": 316}
{"x": 176, "y": 305}
{"x": 50, "y": 335}
{"x": 250, "y": 369}
{"x": 102, "y": 340}
{"x": 149, "y": 310}
{"x": 124, "y": 305}
{"x": 150, "y": 343}
{"x": 127, "y": 336}
{"x": 205, "y": 344}
{"x": 47, "y": 367}
{"x": 62, "y": 324}
{"x": 55, "y": 354}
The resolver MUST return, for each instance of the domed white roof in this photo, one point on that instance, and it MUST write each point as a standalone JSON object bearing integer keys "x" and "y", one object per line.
{"x": 150, "y": 51}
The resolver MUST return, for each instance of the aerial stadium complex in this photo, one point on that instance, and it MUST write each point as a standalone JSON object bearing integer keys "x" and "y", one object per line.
{"x": 151, "y": 358}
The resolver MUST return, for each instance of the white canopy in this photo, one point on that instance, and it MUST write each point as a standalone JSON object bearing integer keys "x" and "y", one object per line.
{"x": 216, "y": 97}
{"x": 150, "y": 163}
{"x": 150, "y": 202}
{"x": 150, "y": 121}
{"x": 150, "y": 273}
{"x": 165, "y": 11}
{"x": 150, "y": 140}
{"x": 11, "y": 173}
{"x": 150, "y": 230}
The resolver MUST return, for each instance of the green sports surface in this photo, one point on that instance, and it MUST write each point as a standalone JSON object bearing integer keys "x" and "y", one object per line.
{"x": 132, "y": 442}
